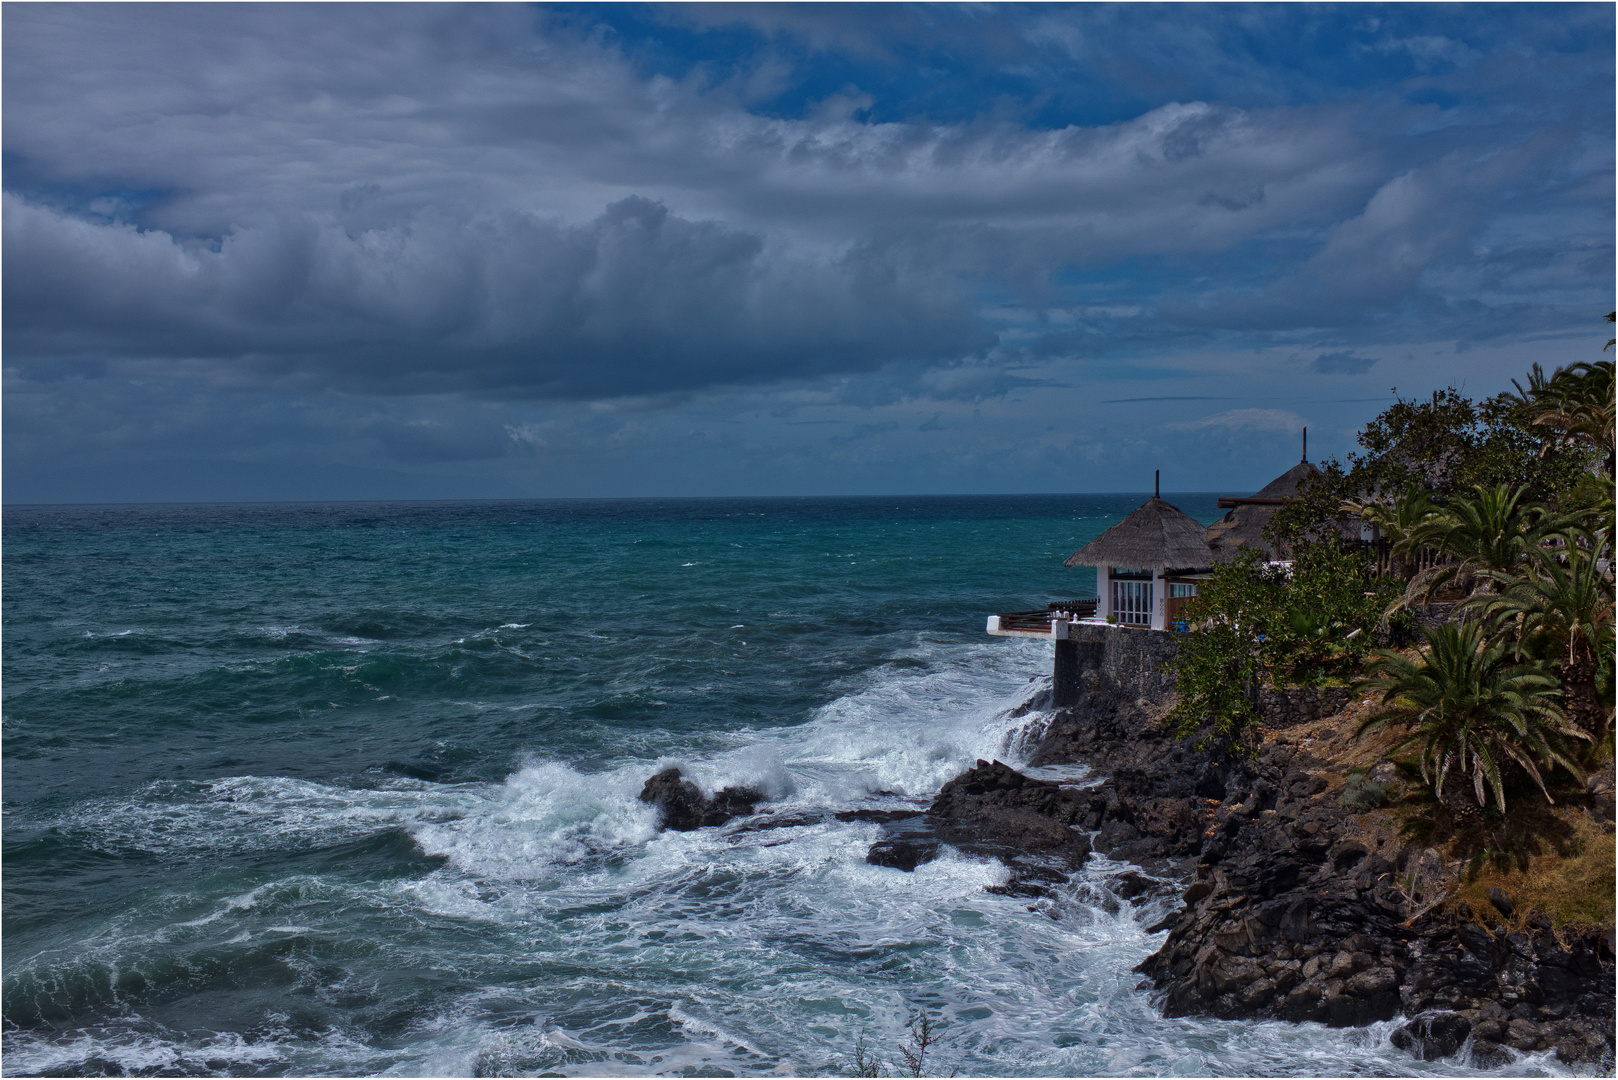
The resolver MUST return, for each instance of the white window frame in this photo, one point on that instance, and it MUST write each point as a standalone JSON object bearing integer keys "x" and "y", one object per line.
{"x": 1133, "y": 601}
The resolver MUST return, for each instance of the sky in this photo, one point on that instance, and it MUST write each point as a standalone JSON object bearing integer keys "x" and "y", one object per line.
{"x": 306, "y": 251}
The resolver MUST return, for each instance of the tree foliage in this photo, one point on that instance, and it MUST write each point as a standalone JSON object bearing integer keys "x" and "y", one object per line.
{"x": 1575, "y": 407}
{"x": 1439, "y": 447}
{"x": 1256, "y": 623}
{"x": 1469, "y": 709}
{"x": 1484, "y": 535}
{"x": 1530, "y": 670}
{"x": 1508, "y": 500}
{"x": 1559, "y": 611}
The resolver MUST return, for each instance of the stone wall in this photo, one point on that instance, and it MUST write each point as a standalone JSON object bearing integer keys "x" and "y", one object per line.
{"x": 1299, "y": 704}
{"x": 1133, "y": 662}
{"x": 1124, "y": 659}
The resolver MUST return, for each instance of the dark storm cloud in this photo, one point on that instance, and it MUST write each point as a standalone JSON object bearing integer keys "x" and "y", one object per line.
{"x": 372, "y": 222}
{"x": 220, "y": 117}
{"x": 637, "y": 301}
{"x": 1342, "y": 363}
{"x": 201, "y": 121}
{"x": 410, "y": 200}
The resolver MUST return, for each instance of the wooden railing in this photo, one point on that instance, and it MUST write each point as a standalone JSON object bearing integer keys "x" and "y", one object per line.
{"x": 1040, "y": 621}
{"x": 1037, "y": 622}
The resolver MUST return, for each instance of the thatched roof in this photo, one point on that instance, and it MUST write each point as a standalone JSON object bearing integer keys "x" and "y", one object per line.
{"x": 1157, "y": 534}
{"x": 1244, "y": 525}
{"x": 1286, "y": 485}
{"x": 1241, "y": 527}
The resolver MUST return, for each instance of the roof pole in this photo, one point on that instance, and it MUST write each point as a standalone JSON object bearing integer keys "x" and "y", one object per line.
{"x": 1306, "y": 444}
{"x": 1157, "y": 477}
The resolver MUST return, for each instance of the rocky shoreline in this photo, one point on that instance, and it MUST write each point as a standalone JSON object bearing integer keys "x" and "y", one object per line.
{"x": 1293, "y": 905}
{"x": 1299, "y": 907}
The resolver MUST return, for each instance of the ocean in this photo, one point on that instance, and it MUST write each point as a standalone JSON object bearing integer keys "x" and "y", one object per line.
{"x": 350, "y": 789}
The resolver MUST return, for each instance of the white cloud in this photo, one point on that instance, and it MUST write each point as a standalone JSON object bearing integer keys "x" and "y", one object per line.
{"x": 1246, "y": 420}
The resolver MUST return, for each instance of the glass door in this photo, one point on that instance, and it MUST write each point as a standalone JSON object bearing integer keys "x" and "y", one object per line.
{"x": 1132, "y": 602}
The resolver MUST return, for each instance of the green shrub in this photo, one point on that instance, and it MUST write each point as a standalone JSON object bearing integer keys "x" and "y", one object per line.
{"x": 1472, "y": 711}
{"x": 1363, "y": 793}
{"x": 1254, "y": 622}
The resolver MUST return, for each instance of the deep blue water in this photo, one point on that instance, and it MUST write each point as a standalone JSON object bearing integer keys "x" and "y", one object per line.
{"x": 350, "y": 789}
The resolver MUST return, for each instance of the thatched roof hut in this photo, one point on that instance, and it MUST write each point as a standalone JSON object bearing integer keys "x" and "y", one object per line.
{"x": 1157, "y": 535}
{"x": 1244, "y": 525}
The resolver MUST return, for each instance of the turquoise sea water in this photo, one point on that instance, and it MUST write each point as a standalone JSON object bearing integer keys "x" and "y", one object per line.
{"x": 350, "y": 790}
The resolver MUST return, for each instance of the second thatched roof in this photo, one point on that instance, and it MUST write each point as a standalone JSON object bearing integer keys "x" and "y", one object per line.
{"x": 1244, "y": 525}
{"x": 1286, "y": 485}
{"x": 1156, "y": 534}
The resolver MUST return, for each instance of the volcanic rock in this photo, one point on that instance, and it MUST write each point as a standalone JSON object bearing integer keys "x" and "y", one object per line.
{"x": 1298, "y": 909}
{"x": 1431, "y": 1036}
{"x": 993, "y": 808}
{"x": 685, "y": 808}
{"x": 905, "y": 853}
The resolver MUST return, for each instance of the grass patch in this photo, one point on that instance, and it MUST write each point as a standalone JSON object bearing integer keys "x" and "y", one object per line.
{"x": 1575, "y": 888}
{"x": 1360, "y": 792}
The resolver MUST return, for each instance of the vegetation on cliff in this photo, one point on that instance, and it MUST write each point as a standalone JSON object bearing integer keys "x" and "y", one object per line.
{"x": 1470, "y": 711}
{"x": 1502, "y": 509}
{"x": 1308, "y": 624}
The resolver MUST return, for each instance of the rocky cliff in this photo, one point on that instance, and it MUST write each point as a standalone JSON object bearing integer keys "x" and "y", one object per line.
{"x": 1302, "y": 907}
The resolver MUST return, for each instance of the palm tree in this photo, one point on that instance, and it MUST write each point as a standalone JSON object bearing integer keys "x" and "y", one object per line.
{"x": 1396, "y": 522}
{"x": 1576, "y": 403}
{"x": 1489, "y": 531}
{"x": 1470, "y": 709}
{"x": 1561, "y": 609}
{"x": 1591, "y": 504}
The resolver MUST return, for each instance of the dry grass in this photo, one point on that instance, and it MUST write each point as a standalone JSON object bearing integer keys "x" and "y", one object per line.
{"x": 1332, "y": 738}
{"x": 1574, "y": 890}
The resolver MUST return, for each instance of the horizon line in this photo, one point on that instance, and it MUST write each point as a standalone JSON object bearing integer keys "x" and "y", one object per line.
{"x": 584, "y": 498}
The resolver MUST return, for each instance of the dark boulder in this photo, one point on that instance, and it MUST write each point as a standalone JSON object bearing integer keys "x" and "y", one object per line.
{"x": 993, "y": 807}
{"x": 1489, "y": 1055}
{"x": 1210, "y": 781}
{"x": 681, "y": 803}
{"x": 1165, "y": 923}
{"x": 684, "y": 807}
{"x": 1135, "y": 887}
{"x": 993, "y": 810}
{"x": 881, "y": 817}
{"x": 731, "y": 802}
{"x": 1432, "y": 1035}
{"x": 990, "y": 778}
{"x": 1029, "y": 878}
{"x": 903, "y": 853}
